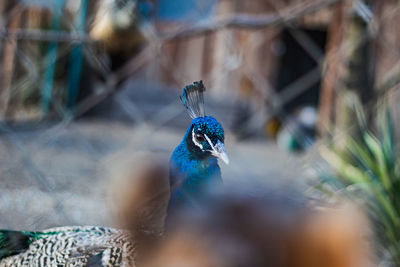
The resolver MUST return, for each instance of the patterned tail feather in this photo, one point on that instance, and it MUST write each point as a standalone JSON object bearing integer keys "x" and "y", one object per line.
{"x": 193, "y": 100}
{"x": 14, "y": 242}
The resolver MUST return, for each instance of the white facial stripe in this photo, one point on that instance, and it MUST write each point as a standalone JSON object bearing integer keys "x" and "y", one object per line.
{"x": 214, "y": 149}
{"x": 209, "y": 142}
{"x": 195, "y": 141}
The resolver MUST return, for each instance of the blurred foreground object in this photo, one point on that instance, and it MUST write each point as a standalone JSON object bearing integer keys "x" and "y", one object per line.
{"x": 140, "y": 193}
{"x": 367, "y": 170}
{"x": 241, "y": 228}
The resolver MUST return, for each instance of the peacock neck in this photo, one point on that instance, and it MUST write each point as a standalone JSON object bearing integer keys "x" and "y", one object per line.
{"x": 190, "y": 176}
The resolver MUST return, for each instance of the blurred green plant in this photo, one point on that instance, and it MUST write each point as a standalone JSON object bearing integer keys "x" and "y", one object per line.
{"x": 367, "y": 171}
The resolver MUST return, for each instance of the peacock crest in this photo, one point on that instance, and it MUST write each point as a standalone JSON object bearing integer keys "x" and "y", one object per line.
{"x": 193, "y": 100}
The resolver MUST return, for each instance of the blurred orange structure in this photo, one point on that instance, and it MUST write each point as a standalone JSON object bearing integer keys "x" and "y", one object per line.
{"x": 268, "y": 231}
{"x": 241, "y": 225}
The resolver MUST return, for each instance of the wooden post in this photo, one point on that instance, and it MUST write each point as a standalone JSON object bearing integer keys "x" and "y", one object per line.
{"x": 347, "y": 75}
{"x": 331, "y": 73}
{"x": 8, "y": 62}
{"x": 356, "y": 84}
{"x": 2, "y": 7}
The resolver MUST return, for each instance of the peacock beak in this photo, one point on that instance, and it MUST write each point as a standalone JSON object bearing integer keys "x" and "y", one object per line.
{"x": 220, "y": 152}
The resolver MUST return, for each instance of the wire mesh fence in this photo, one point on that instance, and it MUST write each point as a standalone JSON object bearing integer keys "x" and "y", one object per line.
{"x": 85, "y": 84}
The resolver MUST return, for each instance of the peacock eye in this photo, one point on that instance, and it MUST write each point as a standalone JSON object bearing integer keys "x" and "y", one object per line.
{"x": 200, "y": 138}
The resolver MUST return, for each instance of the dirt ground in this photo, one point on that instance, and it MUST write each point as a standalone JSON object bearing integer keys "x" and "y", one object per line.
{"x": 60, "y": 174}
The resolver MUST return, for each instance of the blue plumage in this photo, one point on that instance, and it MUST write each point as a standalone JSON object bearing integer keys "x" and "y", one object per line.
{"x": 193, "y": 165}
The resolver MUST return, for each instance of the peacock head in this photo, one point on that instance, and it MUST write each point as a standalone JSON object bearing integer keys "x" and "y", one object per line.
{"x": 205, "y": 136}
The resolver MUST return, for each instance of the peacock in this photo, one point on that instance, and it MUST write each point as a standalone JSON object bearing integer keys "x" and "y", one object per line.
{"x": 193, "y": 167}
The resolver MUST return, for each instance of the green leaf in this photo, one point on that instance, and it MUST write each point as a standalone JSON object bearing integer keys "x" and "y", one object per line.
{"x": 376, "y": 149}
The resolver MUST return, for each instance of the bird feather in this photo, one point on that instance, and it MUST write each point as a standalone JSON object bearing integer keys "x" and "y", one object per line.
{"x": 193, "y": 100}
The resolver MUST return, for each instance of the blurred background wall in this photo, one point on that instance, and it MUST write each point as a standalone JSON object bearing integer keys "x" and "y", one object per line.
{"x": 263, "y": 60}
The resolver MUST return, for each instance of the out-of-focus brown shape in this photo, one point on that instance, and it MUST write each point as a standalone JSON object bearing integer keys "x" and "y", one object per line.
{"x": 332, "y": 238}
{"x": 238, "y": 226}
{"x": 235, "y": 230}
{"x": 142, "y": 195}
